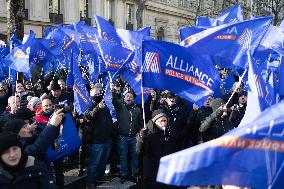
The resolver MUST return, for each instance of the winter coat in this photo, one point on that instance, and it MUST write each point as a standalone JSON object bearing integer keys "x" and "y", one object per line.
{"x": 5, "y": 117}
{"x": 100, "y": 125}
{"x": 196, "y": 117}
{"x": 177, "y": 121}
{"x": 129, "y": 117}
{"x": 215, "y": 125}
{"x": 236, "y": 116}
{"x": 154, "y": 145}
{"x": 34, "y": 175}
{"x": 149, "y": 107}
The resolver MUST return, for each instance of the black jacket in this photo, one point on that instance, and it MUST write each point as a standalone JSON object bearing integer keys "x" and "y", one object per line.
{"x": 34, "y": 175}
{"x": 152, "y": 147}
{"x": 39, "y": 146}
{"x": 100, "y": 125}
{"x": 196, "y": 117}
{"x": 129, "y": 117}
{"x": 237, "y": 115}
{"x": 177, "y": 120}
{"x": 215, "y": 126}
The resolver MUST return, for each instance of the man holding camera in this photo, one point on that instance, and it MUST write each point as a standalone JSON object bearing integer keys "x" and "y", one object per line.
{"x": 42, "y": 117}
{"x": 99, "y": 139}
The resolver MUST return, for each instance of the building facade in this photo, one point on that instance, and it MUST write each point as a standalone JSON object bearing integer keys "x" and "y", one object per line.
{"x": 164, "y": 16}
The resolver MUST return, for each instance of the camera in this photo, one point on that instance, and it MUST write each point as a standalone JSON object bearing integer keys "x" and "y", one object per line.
{"x": 66, "y": 109}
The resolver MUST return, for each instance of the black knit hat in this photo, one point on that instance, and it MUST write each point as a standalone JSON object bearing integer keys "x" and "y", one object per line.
{"x": 242, "y": 93}
{"x": 14, "y": 126}
{"x": 158, "y": 114}
{"x": 23, "y": 113}
{"x": 55, "y": 86}
{"x": 7, "y": 140}
{"x": 170, "y": 95}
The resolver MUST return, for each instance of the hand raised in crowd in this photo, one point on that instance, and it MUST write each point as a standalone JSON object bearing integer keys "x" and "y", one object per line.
{"x": 195, "y": 107}
{"x": 235, "y": 107}
{"x": 101, "y": 104}
{"x": 56, "y": 118}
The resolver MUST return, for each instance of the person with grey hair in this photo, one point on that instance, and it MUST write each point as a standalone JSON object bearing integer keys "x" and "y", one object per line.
{"x": 34, "y": 103}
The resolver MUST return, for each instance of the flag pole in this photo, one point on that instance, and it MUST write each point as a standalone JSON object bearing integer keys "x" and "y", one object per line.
{"x": 236, "y": 88}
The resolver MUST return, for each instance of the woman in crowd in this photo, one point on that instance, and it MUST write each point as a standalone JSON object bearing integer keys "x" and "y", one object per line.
{"x": 18, "y": 170}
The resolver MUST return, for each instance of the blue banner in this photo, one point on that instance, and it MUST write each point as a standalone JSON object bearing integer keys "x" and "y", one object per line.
{"x": 68, "y": 142}
{"x": 172, "y": 67}
{"x": 19, "y": 58}
{"x": 227, "y": 44}
{"x": 82, "y": 101}
{"x": 185, "y": 32}
{"x": 233, "y": 14}
{"x": 249, "y": 156}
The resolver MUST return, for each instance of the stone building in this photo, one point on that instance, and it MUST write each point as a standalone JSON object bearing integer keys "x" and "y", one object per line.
{"x": 164, "y": 16}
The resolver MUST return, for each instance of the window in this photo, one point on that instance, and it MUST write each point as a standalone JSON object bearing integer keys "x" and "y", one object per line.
{"x": 108, "y": 9}
{"x": 84, "y": 8}
{"x": 161, "y": 34}
{"x": 130, "y": 14}
{"x": 54, "y": 6}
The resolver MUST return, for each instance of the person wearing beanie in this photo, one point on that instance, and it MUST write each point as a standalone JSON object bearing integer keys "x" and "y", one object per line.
{"x": 34, "y": 104}
{"x": 25, "y": 114}
{"x": 57, "y": 96}
{"x": 217, "y": 123}
{"x": 153, "y": 143}
{"x": 130, "y": 121}
{"x": 18, "y": 170}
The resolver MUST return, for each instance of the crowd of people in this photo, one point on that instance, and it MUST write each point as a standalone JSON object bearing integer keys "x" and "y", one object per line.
{"x": 32, "y": 115}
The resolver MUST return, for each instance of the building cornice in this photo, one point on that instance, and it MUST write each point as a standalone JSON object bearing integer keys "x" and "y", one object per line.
{"x": 156, "y": 6}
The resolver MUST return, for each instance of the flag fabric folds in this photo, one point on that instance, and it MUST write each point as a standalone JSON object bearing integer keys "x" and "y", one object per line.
{"x": 248, "y": 156}
{"x": 233, "y": 14}
{"x": 172, "y": 67}
{"x": 82, "y": 100}
{"x": 68, "y": 142}
{"x": 227, "y": 44}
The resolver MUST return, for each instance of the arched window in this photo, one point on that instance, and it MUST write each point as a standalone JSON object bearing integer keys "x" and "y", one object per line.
{"x": 161, "y": 33}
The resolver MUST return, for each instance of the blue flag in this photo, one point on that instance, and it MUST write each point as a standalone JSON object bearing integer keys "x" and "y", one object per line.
{"x": 233, "y": 14}
{"x": 227, "y": 44}
{"x": 88, "y": 40}
{"x": 94, "y": 65}
{"x": 185, "y": 32}
{"x": 259, "y": 98}
{"x": 82, "y": 101}
{"x": 249, "y": 156}
{"x": 172, "y": 67}
{"x": 281, "y": 77}
{"x": 68, "y": 143}
{"x": 19, "y": 58}
{"x": 113, "y": 55}
{"x": 107, "y": 32}
{"x": 269, "y": 41}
